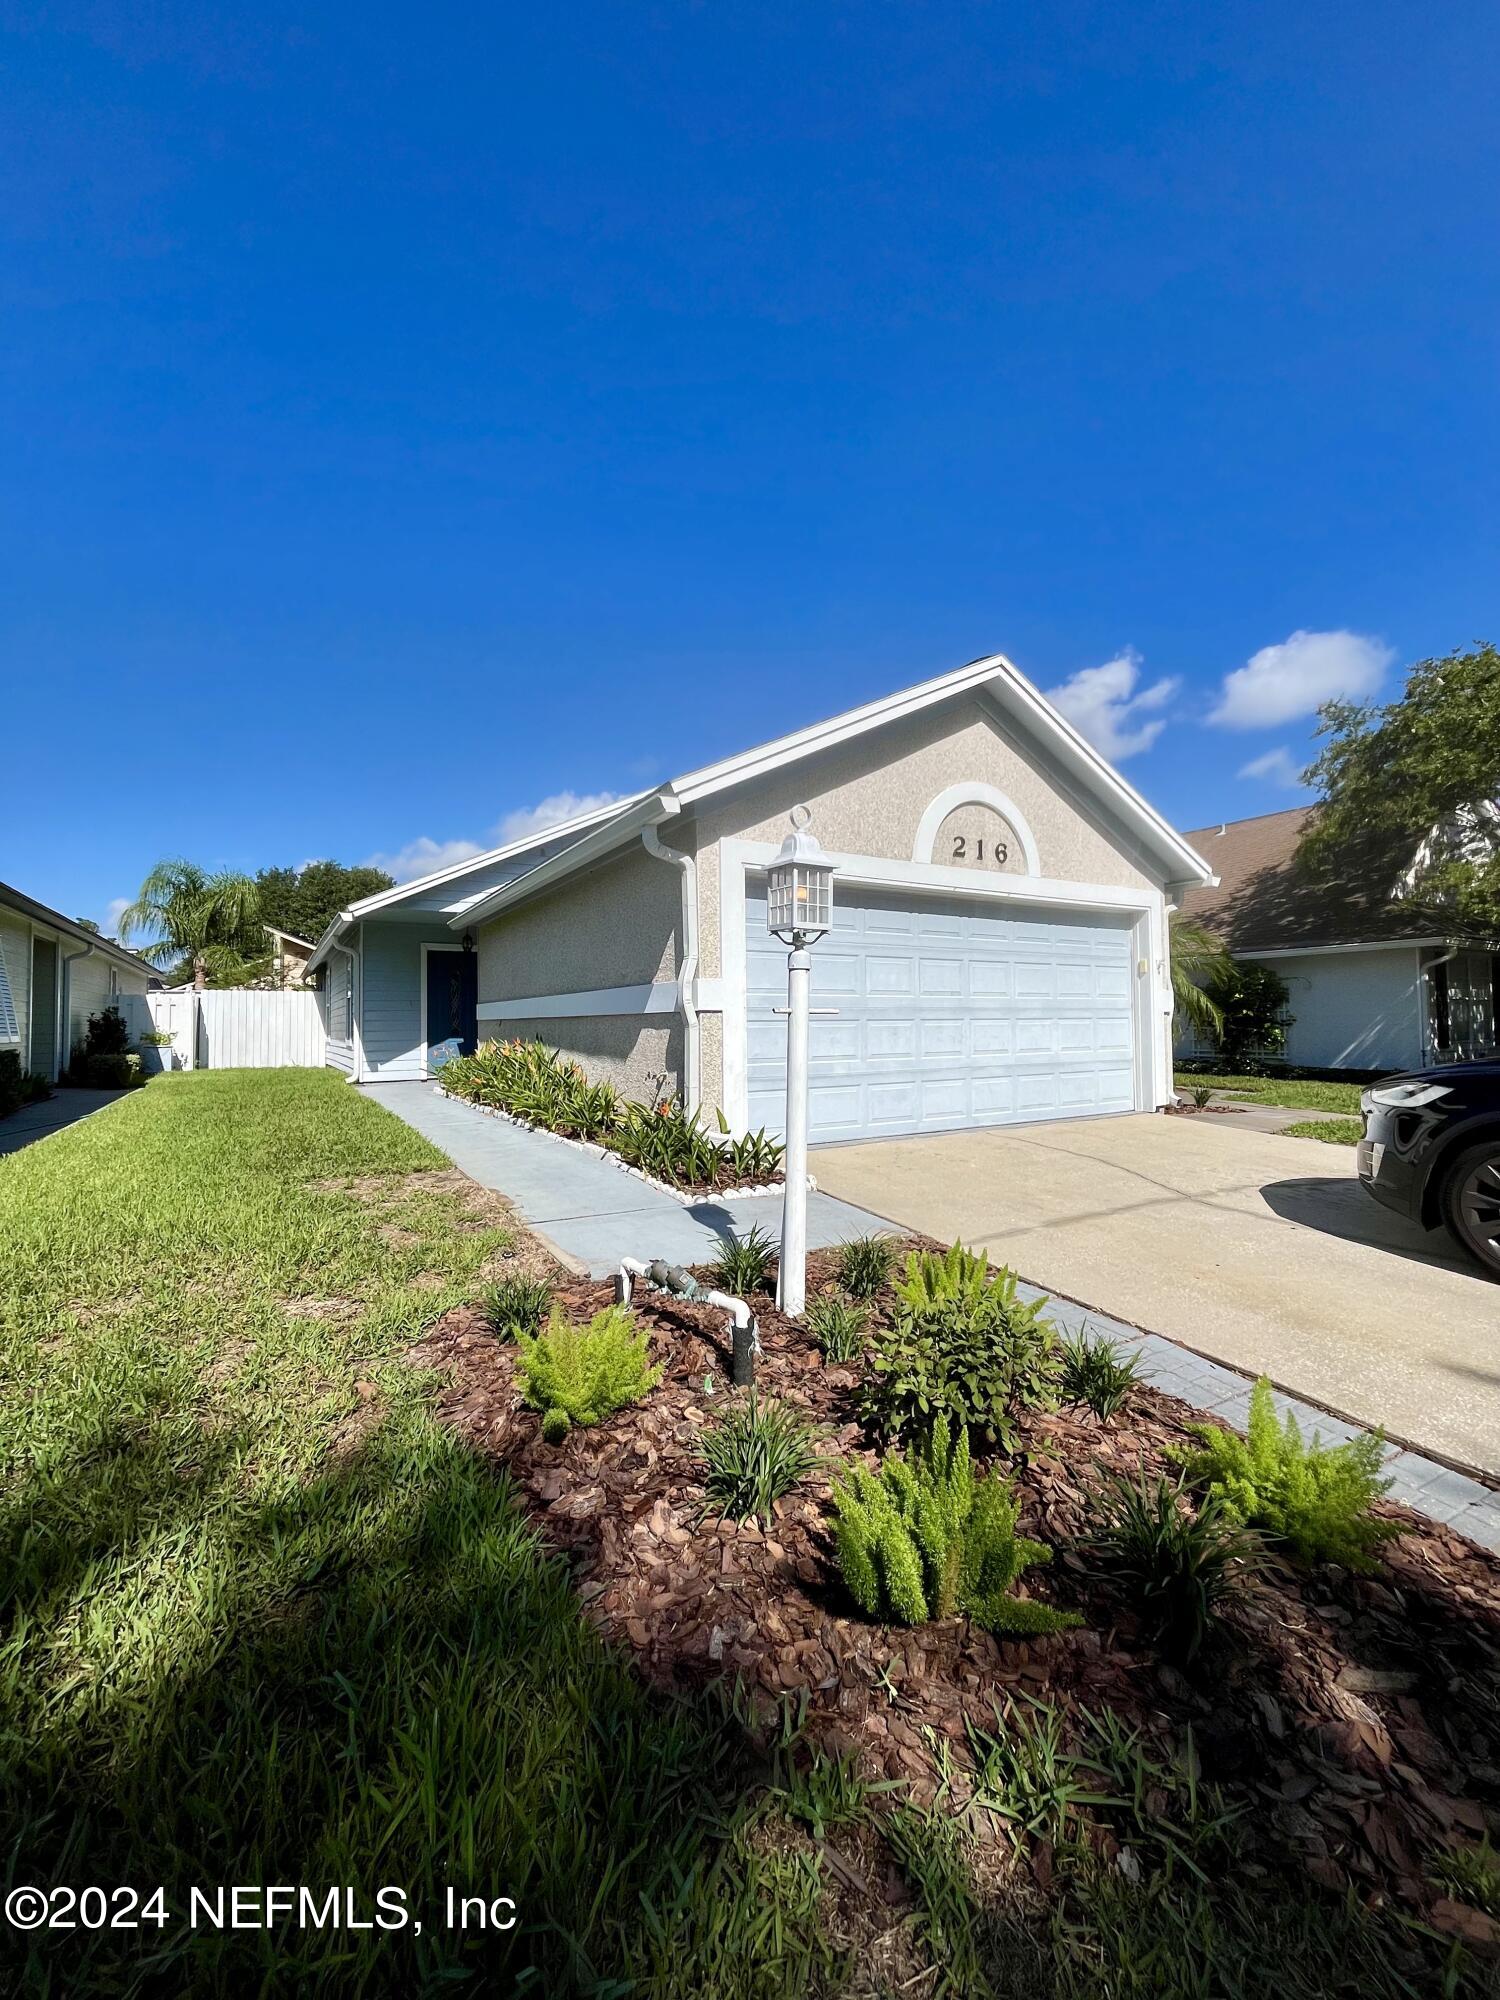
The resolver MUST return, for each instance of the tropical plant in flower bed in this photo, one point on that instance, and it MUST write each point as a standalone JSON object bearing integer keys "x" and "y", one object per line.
{"x": 1312, "y": 1497}
{"x": 961, "y": 1345}
{"x": 1095, "y": 1374}
{"x": 754, "y": 1455}
{"x": 580, "y": 1374}
{"x": 864, "y": 1266}
{"x": 837, "y": 1325}
{"x": 519, "y": 1303}
{"x": 1179, "y": 1565}
{"x": 926, "y": 1537}
{"x": 744, "y": 1263}
{"x": 545, "y": 1088}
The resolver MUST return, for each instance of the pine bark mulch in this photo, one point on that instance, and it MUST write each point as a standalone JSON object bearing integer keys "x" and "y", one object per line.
{"x": 1357, "y": 1719}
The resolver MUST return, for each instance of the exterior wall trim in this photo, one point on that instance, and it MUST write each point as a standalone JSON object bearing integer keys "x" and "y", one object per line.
{"x": 662, "y": 996}
{"x": 1152, "y": 1006}
{"x": 972, "y": 792}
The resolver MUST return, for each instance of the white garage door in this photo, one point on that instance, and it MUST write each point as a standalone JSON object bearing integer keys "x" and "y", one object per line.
{"x": 951, "y": 1012}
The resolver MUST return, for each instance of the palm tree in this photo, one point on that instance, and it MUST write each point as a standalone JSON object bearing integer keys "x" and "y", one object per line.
{"x": 1198, "y": 958}
{"x": 205, "y": 918}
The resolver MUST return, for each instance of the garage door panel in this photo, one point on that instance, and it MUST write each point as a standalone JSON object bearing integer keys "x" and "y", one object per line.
{"x": 949, "y": 1013}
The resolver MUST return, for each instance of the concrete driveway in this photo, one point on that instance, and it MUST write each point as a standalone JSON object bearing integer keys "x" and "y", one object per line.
{"x": 1260, "y": 1250}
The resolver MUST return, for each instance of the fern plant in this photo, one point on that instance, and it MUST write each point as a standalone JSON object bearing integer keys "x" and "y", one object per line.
{"x": 579, "y": 1374}
{"x": 1314, "y": 1498}
{"x": 837, "y": 1325}
{"x": 927, "y": 1538}
{"x": 962, "y": 1345}
{"x": 743, "y": 1264}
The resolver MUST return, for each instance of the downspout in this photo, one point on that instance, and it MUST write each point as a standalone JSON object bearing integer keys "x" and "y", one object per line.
{"x": 67, "y": 961}
{"x": 687, "y": 975}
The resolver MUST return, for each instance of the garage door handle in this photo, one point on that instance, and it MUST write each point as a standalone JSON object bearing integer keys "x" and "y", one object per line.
{"x": 811, "y": 1010}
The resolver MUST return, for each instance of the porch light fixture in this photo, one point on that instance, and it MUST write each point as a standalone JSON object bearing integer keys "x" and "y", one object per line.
{"x": 799, "y": 909}
{"x": 799, "y": 886}
{"x": 467, "y": 941}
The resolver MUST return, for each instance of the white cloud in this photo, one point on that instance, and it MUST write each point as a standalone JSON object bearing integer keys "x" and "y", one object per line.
{"x": 426, "y": 856}
{"x": 113, "y": 911}
{"x": 1277, "y": 767}
{"x": 1282, "y": 682}
{"x": 1102, "y": 704}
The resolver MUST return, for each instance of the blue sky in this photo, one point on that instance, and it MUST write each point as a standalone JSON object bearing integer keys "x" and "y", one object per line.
{"x": 409, "y": 419}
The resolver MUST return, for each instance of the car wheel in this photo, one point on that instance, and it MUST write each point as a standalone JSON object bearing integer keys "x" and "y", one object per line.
{"x": 1471, "y": 1203}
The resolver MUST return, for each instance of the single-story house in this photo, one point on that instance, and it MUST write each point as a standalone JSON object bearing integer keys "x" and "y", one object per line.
{"x": 1371, "y": 986}
{"x": 998, "y": 950}
{"x": 54, "y": 973}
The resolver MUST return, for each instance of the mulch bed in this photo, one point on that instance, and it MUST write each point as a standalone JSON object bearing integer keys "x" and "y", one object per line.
{"x": 1358, "y": 1718}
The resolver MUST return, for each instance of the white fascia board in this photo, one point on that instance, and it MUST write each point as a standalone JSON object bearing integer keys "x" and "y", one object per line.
{"x": 1022, "y": 697}
{"x": 1327, "y": 950}
{"x": 403, "y": 891}
{"x": 617, "y": 832}
{"x": 768, "y": 757}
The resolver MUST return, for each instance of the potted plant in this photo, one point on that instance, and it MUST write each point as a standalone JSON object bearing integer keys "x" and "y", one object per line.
{"x": 157, "y": 1048}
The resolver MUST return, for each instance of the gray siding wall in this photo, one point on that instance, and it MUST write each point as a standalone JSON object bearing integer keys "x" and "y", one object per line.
{"x": 1353, "y": 1010}
{"x": 391, "y": 1008}
{"x": 339, "y": 1053}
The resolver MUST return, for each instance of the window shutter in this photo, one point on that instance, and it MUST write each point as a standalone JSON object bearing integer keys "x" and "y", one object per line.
{"x": 10, "y": 1030}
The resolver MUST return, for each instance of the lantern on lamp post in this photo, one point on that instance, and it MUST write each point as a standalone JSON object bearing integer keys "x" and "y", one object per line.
{"x": 799, "y": 908}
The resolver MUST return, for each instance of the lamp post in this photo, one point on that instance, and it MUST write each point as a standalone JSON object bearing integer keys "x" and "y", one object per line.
{"x": 799, "y": 908}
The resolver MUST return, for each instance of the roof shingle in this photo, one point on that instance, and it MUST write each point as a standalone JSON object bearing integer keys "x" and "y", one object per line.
{"x": 1264, "y": 900}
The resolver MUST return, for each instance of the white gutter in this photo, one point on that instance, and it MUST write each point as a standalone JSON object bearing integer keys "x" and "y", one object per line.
{"x": 687, "y": 972}
{"x": 67, "y": 960}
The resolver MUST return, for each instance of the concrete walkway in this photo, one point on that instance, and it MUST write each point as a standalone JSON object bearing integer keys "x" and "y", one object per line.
{"x": 53, "y": 1114}
{"x": 587, "y": 1208}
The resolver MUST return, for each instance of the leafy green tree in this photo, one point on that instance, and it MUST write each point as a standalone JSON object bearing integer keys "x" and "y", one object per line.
{"x": 305, "y": 901}
{"x": 211, "y": 922}
{"x": 1251, "y": 1002}
{"x": 1199, "y": 960}
{"x": 1411, "y": 796}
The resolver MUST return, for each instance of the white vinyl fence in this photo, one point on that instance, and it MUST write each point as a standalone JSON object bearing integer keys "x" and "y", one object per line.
{"x": 237, "y": 1027}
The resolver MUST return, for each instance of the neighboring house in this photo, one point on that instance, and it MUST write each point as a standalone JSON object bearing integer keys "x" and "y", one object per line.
{"x": 54, "y": 973}
{"x": 998, "y": 951}
{"x": 1371, "y": 986}
{"x": 289, "y": 956}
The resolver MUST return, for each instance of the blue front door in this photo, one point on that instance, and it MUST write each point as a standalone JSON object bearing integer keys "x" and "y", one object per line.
{"x": 452, "y": 997}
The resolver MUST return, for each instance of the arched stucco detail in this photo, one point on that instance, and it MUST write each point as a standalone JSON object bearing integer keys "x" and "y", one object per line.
{"x": 972, "y": 792}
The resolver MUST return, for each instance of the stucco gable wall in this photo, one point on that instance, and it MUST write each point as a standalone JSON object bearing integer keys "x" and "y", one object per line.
{"x": 868, "y": 797}
{"x": 615, "y": 926}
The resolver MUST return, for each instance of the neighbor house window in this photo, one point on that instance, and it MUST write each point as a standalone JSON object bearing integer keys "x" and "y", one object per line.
{"x": 10, "y": 1030}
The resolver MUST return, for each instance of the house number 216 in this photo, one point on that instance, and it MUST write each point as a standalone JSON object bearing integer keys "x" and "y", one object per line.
{"x": 999, "y": 850}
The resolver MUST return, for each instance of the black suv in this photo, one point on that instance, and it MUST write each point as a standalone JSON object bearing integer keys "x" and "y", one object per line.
{"x": 1431, "y": 1148}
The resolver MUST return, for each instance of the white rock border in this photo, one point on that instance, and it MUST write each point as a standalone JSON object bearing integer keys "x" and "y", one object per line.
{"x": 682, "y": 1195}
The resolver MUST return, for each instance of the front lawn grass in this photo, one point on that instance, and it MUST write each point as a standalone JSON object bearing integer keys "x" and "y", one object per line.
{"x": 1290, "y": 1094}
{"x": 1332, "y": 1131}
{"x": 263, "y": 1620}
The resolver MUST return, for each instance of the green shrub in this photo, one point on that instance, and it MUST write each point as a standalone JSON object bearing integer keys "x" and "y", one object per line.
{"x": 585, "y": 1372}
{"x": 960, "y": 1345}
{"x": 837, "y": 1325}
{"x": 754, "y": 1455}
{"x": 106, "y": 1034}
{"x": 19, "y": 1086}
{"x": 756, "y": 1157}
{"x": 1314, "y": 1498}
{"x": 743, "y": 1264}
{"x": 111, "y": 1072}
{"x": 518, "y": 1303}
{"x": 555, "y": 1425}
{"x": 925, "y": 1538}
{"x": 864, "y": 1265}
{"x": 1177, "y": 1566}
{"x": 1095, "y": 1374}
